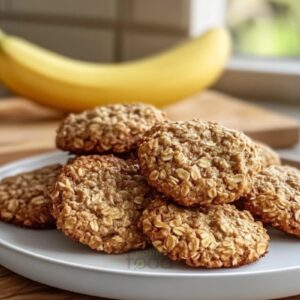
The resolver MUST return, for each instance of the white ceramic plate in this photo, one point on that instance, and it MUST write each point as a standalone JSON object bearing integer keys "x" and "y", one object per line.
{"x": 49, "y": 257}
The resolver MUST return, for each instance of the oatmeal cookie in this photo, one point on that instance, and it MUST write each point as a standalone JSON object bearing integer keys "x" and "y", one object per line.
{"x": 268, "y": 156}
{"x": 97, "y": 201}
{"x": 219, "y": 236}
{"x": 24, "y": 198}
{"x": 113, "y": 128}
{"x": 275, "y": 198}
{"x": 198, "y": 163}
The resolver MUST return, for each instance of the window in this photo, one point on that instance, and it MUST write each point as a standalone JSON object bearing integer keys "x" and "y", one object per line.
{"x": 265, "y": 28}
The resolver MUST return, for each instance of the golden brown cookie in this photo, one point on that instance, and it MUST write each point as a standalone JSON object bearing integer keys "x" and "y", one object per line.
{"x": 268, "y": 156}
{"x": 198, "y": 163}
{"x": 97, "y": 201}
{"x": 275, "y": 198}
{"x": 113, "y": 128}
{"x": 219, "y": 236}
{"x": 24, "y": 198}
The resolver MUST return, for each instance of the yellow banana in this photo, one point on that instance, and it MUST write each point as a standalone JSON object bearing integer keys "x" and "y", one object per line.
{"x": 67, "y": 84}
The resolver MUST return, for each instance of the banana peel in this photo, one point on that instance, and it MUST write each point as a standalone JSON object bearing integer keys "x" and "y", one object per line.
{"x": 71, "y": 85}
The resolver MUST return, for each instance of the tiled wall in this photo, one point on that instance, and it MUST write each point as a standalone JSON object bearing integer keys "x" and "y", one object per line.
{"x": 94, "y": 44}
{"x": 92, "y": 29}
{"x": 170, "y": 13}
{"x": 98, "y": 30}
{"x": 73, "y": 8}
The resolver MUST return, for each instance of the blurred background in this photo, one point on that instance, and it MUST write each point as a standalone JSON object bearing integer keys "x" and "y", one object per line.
{"x": 266, "y": 35}
{"x": 265, "y": 28}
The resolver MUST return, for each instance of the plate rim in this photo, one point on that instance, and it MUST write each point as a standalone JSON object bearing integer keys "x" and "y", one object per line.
{"x": 5, "y": 167}
{"x": 29, "y": 253}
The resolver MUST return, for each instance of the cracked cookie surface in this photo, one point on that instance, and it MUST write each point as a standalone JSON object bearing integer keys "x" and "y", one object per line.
{"x": 97, "y": 201}
{"x": 275, "y": 198}
{"x": 112, "y": 128}
{"x": 198, "y": 163}
{"x": 24, "y": 198}
{"x": 268, "y": 156}
{"x": 215, "y": 237}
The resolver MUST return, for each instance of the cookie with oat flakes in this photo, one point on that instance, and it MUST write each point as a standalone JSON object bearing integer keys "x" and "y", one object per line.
{"x": 268, "y": 156}
{"x": 219, "y": 236}
{"x": 97, "y": 201}
{"x": 275, "y": 198}
{"x": 198, "y": 163}
{"x": 24, "y": 198}
{"x": 113, "y": 128}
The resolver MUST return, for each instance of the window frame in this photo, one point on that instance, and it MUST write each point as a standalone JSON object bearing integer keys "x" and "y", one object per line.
{"x": 248, "y": 77}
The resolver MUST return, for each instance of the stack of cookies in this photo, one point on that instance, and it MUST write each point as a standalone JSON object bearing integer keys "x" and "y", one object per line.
{"x": 137, "y": 179}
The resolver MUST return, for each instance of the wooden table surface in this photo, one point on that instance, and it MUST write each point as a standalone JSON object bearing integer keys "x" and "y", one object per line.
{"x": 16, "y": 287}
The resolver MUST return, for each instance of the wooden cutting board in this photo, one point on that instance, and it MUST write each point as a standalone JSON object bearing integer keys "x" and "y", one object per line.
{"x": 261, "y": 124}
{"x": 26, "y": 128}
